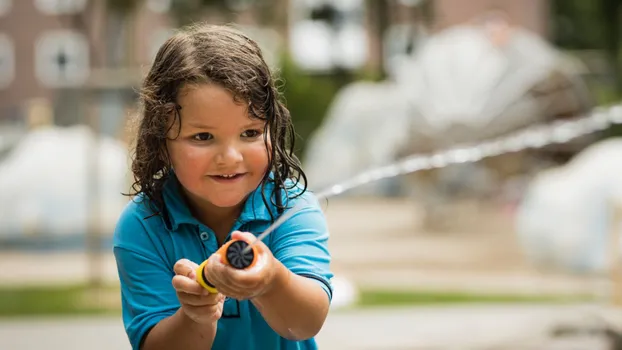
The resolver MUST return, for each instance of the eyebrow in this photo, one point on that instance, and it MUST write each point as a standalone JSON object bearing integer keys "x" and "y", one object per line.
{"x": 209, "y": 127}
{"x": 199, "y": 126}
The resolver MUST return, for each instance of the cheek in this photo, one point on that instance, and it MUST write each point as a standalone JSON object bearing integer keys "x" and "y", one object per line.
{"x": 257, "y": 157}
{"x": 186, "y": 158}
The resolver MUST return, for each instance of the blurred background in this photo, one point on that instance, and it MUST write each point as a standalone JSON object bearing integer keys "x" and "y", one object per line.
{"x": 519, "y": 250}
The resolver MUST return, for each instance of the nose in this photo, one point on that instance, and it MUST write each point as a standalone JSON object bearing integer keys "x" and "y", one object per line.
{"x": 228, "y": 155}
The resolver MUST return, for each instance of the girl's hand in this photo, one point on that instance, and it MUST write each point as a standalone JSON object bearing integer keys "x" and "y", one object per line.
{"x": 243, "y": 284}
{"x": 196, "y": 302}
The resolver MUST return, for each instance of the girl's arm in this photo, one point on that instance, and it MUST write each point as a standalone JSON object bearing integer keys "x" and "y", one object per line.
{"x": 194, "y": 325}
{"x": 151, "y": 309}
{"x": 180, "y": 332}
{"x": 295, "y": 306}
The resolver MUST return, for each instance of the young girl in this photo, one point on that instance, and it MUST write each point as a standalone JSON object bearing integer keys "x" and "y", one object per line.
{"x": 214, "y": 162}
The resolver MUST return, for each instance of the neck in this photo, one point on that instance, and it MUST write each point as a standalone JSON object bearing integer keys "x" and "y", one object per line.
{"x": 219, "y": 219}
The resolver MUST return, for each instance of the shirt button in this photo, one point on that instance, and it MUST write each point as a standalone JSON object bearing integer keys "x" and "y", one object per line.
{"x": 204, "y": 236}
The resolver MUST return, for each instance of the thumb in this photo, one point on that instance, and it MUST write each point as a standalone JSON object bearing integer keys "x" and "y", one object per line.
{"x": 249, "y": 238}
{"x": 186, "y": 268}
{"x": 244, "y": 236}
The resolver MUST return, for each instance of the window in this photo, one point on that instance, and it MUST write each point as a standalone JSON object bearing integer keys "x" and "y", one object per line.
{"x": 327, "y": 34}
{"x": 5, "y": 6}
{"x": 159, "y": 6}
{"x": 157, "y": 39}
{"x": 60, "y": 7}
{"x": 7, "y": 61}
{"x": 62, "y": 58}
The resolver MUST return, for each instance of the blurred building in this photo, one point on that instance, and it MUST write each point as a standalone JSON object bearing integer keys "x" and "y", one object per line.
{"x": 530, "y": 14}
{"x": 81, "y": 60}
{"x": 70, "y": 55}
{"x": 78, "y": 58}
{"x": 326, "y": 35}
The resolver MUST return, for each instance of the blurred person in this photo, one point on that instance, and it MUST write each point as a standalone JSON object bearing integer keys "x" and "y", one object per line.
{"x": 214, "y": 162}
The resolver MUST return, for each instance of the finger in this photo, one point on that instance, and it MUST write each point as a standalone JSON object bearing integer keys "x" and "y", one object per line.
{"x": 233, "y": 282}
{"x": 230, "y": 292}
{"x": 199, "y": 300}
{"x": 261, "y": 261}
{"x": 220, "y": 275}
{"x": 249, "y": 238}
{"x": 214, "y": 270}
{"x": 243, "y": 236}
{"x": 187, "y": 285}
{"x": 223, "y": 278}
{"x": 186, "y": 268}
{"x": 244, "y": 279}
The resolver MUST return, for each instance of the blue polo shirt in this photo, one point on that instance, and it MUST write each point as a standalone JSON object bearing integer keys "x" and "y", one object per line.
{"x": 146, "y": 248}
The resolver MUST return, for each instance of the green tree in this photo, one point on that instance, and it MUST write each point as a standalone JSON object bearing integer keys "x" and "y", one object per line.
{"x": 589, "y": 25}
{"x": 593, "y": 25}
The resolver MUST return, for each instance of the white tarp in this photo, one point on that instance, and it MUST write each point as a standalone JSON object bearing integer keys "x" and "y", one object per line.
{"x": 565, "y": 220}
{"x": 46, "y": 185}
{"x": 464, "y": 78}
{"x": 464, "y": 85}
{"x": 361, "y": 130}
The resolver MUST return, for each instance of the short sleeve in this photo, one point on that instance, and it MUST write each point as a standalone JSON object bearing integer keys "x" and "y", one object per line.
{"x": 145, "y": 276}
{"x": 301, "y": 243}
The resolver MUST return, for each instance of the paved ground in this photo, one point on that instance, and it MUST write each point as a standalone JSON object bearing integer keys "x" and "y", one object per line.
{"x": 374, "y": 243}
{"x": 480, "y": 327}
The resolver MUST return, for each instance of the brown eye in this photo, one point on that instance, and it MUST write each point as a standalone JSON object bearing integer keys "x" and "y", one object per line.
{"x": 204, "y": 136}
{"x": 251, "y": 133}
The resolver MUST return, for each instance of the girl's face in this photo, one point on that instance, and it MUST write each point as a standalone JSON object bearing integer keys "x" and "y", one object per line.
{"x": 219, "y": 156}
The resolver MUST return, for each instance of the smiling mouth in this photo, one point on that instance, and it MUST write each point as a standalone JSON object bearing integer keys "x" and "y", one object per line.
{"x": 227, "y": 177}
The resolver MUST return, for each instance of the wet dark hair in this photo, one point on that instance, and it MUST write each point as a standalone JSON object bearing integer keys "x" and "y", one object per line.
{"x": 210, "y": 54}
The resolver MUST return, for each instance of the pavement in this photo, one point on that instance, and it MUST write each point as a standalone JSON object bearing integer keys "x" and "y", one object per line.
{"x": 375, "y": 244}
{"x": 49, "y": 268}
{"x": 474, "y": 327}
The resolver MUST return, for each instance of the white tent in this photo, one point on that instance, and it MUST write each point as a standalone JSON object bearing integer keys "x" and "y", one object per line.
{"x": 565, "y": 220}
{"x": 47, "y": 182}
{"x": 472, "y": 82}
{"x": 464, "y": 85}
{"x": 363, "y": 128}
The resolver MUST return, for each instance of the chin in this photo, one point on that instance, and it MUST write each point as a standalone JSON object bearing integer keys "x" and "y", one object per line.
{"x": 228, "y": 202}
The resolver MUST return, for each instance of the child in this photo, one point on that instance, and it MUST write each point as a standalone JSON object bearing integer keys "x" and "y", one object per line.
{"x": 214, "y": 162}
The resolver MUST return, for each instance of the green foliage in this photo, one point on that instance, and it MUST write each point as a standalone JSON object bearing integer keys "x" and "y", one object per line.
{"x": 308, "y": 98}
{"x": 123, "y": 6}
{"x": 54, "y": 300}
{"x": 410, "y": 297}
{"x": 589, "y": 25}
{"x": 575, "y": 24}
{"x": 184, "y": 11}
{"x": 593, "y": 25}
{"x": 188, "y": 11}
{"x": 59, "y": 300}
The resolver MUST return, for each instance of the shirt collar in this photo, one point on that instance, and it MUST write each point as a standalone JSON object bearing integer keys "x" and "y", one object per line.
{"x": 254, "y": 208}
